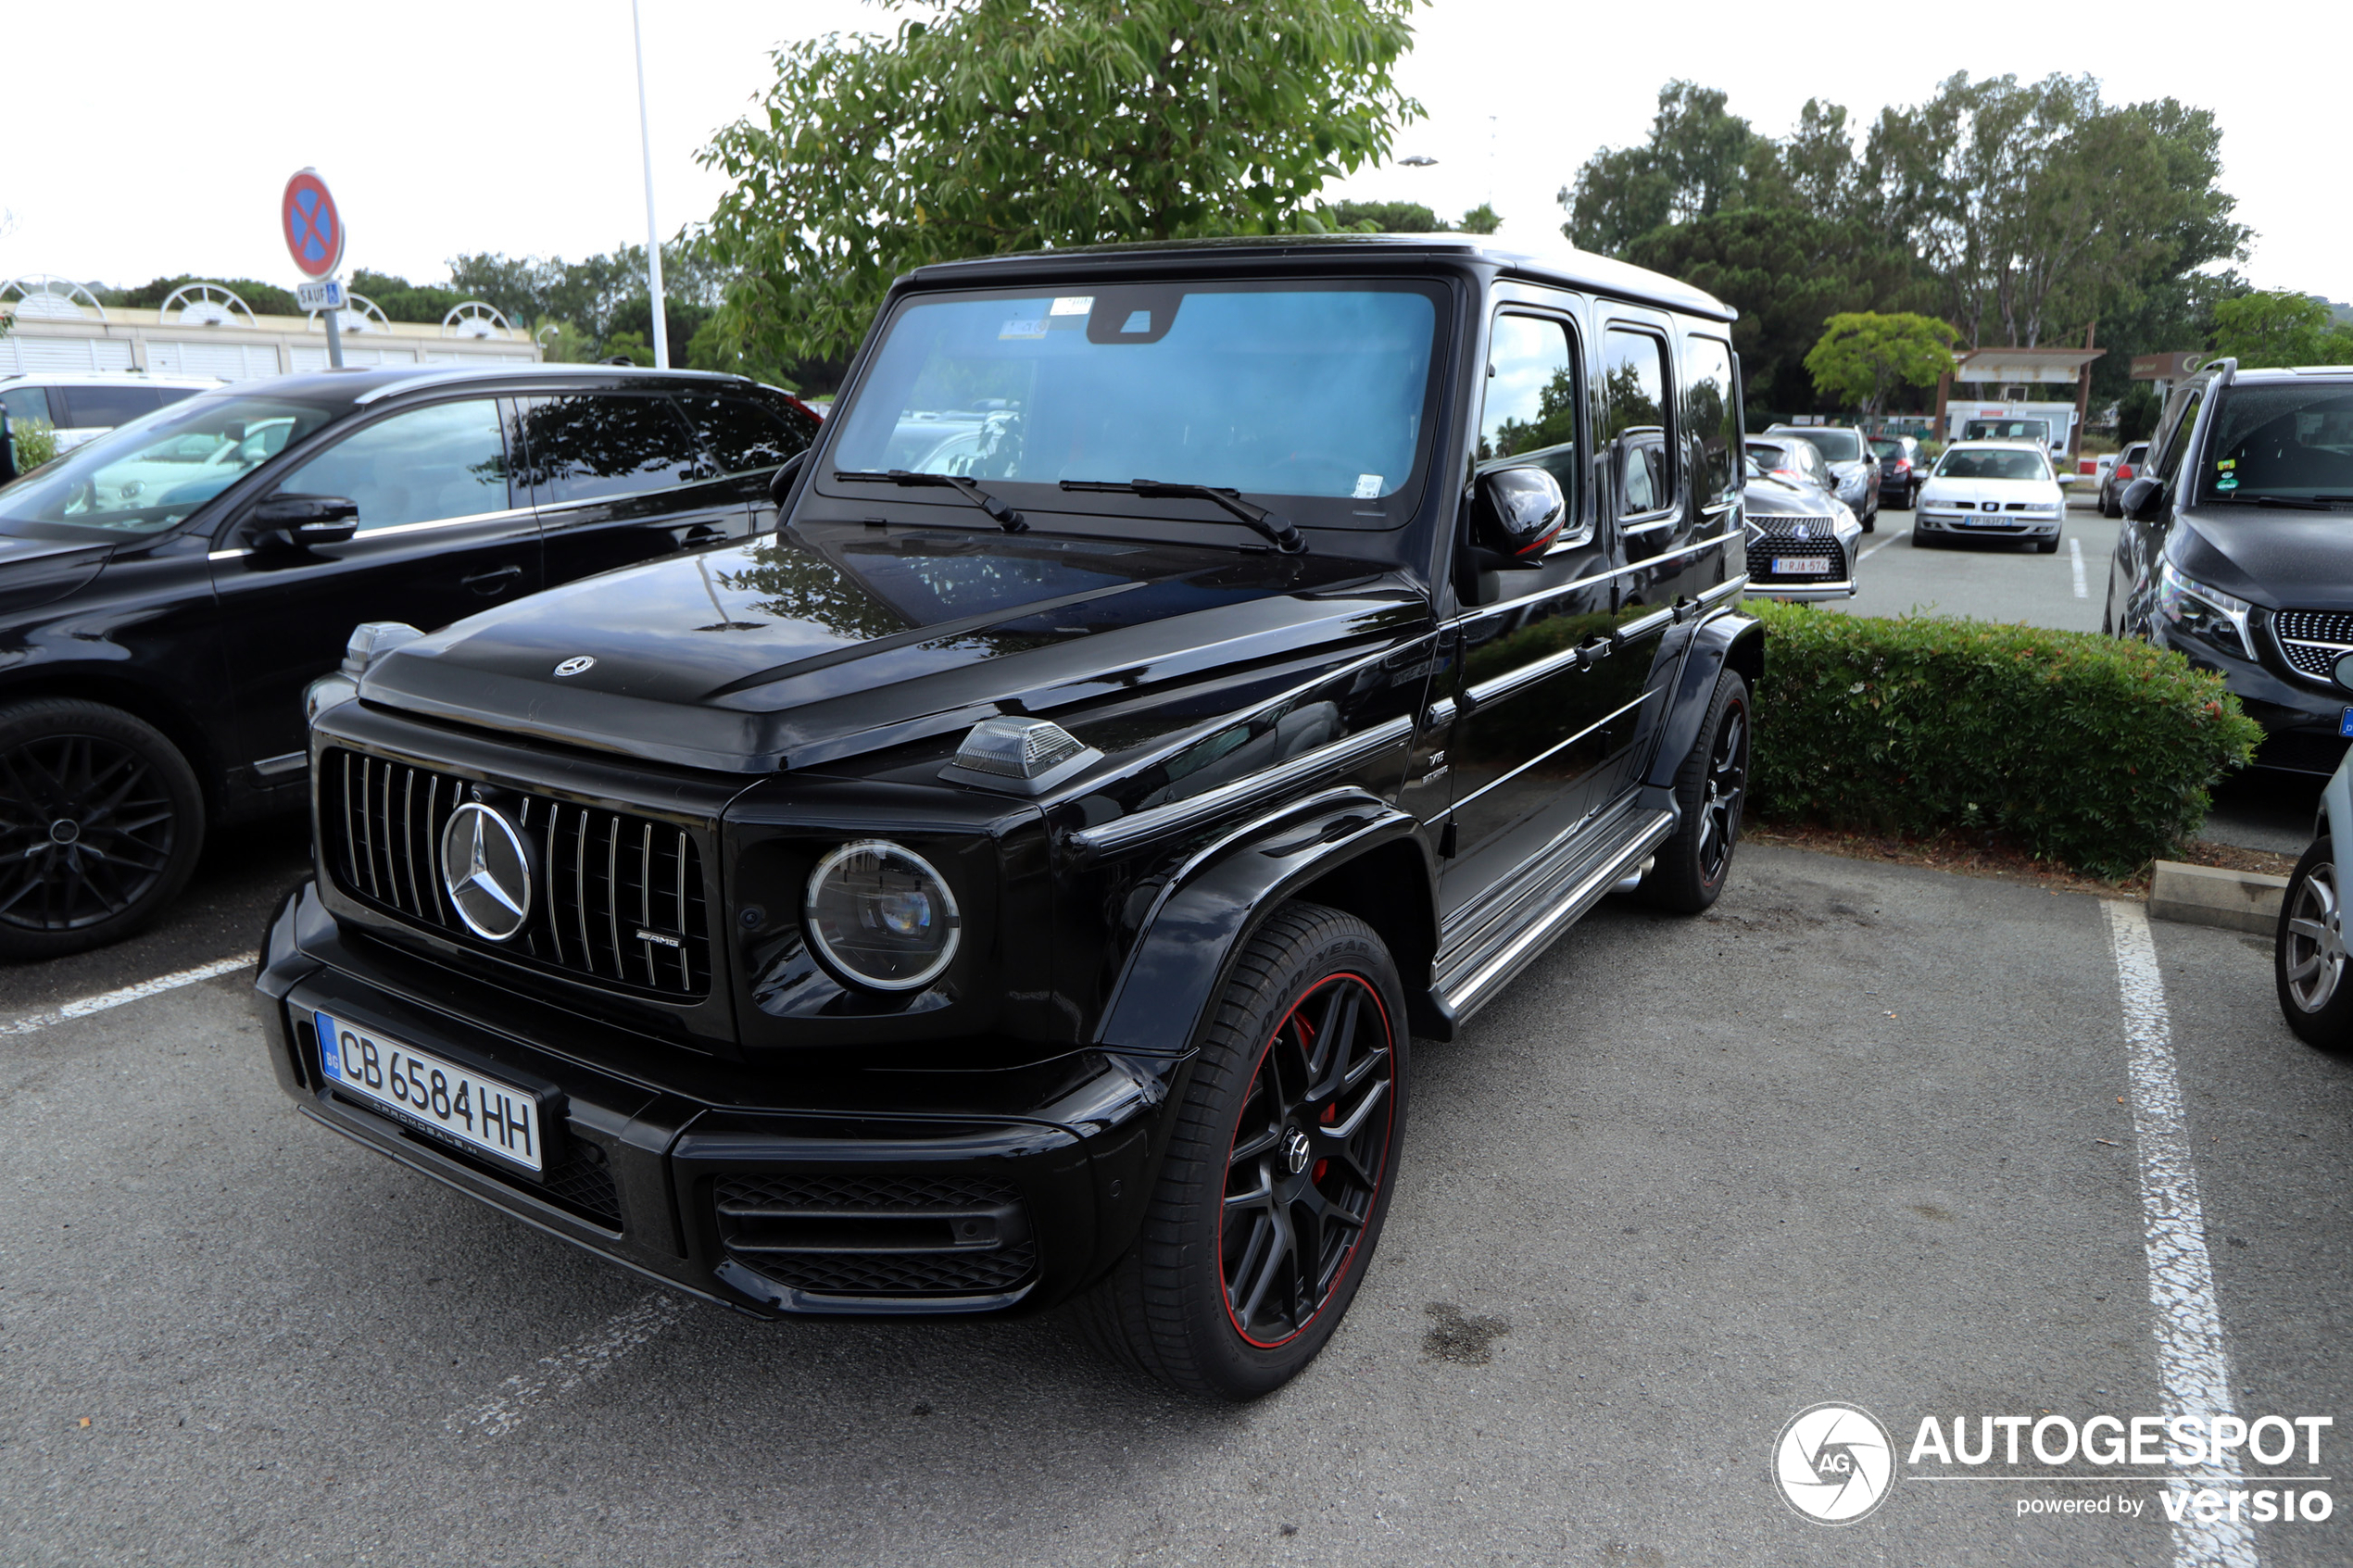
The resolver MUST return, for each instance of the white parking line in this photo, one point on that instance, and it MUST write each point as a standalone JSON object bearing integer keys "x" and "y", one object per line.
{"x": 2075, "y": 554}
{"x": 36, "y": 1021}
{"x": 581, "y": 1361}
{"x": 2193, "y": 1367}
{"x": 1881, "y": 546}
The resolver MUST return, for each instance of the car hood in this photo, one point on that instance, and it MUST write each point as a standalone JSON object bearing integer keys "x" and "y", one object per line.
{"x": 37, "y": 571}
{"x": 2282, "y": 558}
{"x": 1777, "y": 498}
{"x": 829, "y": 640}
{"x": 1974, "y": 492}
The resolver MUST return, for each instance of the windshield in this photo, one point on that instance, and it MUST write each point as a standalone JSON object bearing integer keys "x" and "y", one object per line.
{"x": 1993, "y": 463}
{"x": 1887, "y": 448}
{"x": 1838, "y": 446}
{"x": 2294, "y": 441}
{"x": 144, "y": 476}
{"x": 1299, "y": 391}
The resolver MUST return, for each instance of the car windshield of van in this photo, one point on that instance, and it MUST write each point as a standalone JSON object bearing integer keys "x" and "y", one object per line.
{"x": 1993, "y": 463}
{"x": 2289, "y": 443}
{"x": 1838, "y": 446}
{"x": 1317, "y": 390}
{"x": 147, "y": 476}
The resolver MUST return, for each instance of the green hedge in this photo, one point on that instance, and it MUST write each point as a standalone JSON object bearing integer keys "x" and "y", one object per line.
{"x": 2087, "y": 750}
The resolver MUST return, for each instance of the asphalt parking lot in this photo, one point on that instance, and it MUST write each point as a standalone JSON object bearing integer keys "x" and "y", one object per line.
{"x": 1991, "y": 579}
{"x": 1860, "y": 1134}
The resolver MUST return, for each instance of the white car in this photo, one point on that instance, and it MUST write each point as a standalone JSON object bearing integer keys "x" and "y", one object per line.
{"x": 1991, "y": 490}
{"x": 81, "y": 406}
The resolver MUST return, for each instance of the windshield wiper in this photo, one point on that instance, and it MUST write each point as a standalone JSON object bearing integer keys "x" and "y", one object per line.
{"x": 1007, "y": 519}
{"x": 2305, "y": 503}
{"x": 1279, "y": 530}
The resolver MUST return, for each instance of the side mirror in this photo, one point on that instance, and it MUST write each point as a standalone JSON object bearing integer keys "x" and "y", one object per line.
{"x": 1516, "y": 515}
{"x": 299, "y": 522}
{"x": 780, "y": 487}
{"x": 2139, "y": 500}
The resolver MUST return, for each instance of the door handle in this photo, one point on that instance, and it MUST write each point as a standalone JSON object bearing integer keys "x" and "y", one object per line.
{"x": 698, "y": 535}
{"x": 495, "y": 581}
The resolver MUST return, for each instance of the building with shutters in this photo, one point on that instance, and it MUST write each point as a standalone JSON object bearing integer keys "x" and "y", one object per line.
{"x": 58, "y": 327}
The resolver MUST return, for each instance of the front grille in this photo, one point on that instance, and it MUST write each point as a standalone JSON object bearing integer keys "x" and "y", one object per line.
{"x": 1775, "y": 527}
{"x": 1762, "y": 555}
{"x": 2313, "y": 640}
{"x": 877, "y": 1235}
{"x": 619, "y": 898}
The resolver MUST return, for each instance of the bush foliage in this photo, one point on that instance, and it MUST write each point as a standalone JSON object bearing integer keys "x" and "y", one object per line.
{"x": 2087, "y": 749}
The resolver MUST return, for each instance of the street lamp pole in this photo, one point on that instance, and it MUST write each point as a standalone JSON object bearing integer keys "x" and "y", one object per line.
{"x": 653, "y": 232}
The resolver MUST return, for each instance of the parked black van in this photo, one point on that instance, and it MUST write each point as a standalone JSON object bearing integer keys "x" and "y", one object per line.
{"x": 168, "y": 590}
{"x": 1184, "y": 675}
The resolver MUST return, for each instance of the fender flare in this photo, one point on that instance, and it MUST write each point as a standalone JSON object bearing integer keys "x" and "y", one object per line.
{"x": 1190, "y": 942}
{"x": 1729, "y": 638}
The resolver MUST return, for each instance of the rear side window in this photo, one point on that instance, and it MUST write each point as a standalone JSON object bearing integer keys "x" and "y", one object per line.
{"x": 744, "y": 436}
{"x": 92, "y": 406}
{"x": 594, "y": 445}
{"x": 1714, "y": 401}
{"x": 1634, "y": 393}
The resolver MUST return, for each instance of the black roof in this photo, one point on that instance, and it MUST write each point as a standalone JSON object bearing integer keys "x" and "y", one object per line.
{"x": 1565, "y": 267}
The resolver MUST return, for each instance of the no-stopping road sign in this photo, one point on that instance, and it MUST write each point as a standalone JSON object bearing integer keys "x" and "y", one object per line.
{"x": 312, "y": 225}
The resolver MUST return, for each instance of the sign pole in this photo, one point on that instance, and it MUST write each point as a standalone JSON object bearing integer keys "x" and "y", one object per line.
{"x": 653, "y": 235}
{"x": 334, "y": 341}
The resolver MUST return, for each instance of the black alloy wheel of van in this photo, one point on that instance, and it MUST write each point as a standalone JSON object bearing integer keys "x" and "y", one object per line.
{"x": 1271, "y": 1196}
{"x": 100, "y": 822}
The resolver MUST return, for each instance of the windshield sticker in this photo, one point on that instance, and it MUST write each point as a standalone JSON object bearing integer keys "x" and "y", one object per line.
{"x": 1367, "y": 486}
{"x": 2228, "y": 463}
{"x": 1021, "y": 327}
{"x": 1073, "y": 305}
{"x": 2228, "y": 481}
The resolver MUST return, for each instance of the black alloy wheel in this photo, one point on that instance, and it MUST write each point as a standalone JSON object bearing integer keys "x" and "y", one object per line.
{"x": 100, "y": 822}
{"x": 2308, "y": 953}
{"x": 1712, "y": 789}
{"x": 1307, "y": 1161}
{"x": 1270, "y": 1201}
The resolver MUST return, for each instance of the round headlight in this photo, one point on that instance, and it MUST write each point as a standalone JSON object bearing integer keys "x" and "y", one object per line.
{"x": 880, "y": 916}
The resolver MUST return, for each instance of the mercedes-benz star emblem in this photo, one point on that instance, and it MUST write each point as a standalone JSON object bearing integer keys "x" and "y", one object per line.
{"x": 1295, "y": 1149}
{"x": 486, "y": 872}
{"x": 574, "y": 665}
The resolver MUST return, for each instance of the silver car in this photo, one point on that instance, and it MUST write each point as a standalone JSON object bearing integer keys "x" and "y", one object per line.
{"x": 1853, "y": 464}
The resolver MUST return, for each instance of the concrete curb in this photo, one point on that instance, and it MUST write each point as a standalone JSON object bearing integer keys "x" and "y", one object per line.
{"x": 2210, "y": 896}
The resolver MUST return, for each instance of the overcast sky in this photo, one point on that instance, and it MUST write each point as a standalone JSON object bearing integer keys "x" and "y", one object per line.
{"x": 502, "y": 125}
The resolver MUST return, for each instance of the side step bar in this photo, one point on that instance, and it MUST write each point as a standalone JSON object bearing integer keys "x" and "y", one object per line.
{"x": 1464, "y": 994}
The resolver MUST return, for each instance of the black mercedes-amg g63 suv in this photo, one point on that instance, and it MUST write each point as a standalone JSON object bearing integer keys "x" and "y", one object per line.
{"x": 1177, "y": 678}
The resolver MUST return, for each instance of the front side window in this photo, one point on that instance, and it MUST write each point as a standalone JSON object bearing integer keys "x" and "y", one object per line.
{"x": 1529, "y": 419}
{"x": 1713, "y": 400}
{"x": 146, "y": 476}
{"x": 601, "y": 445}
{"x": 2288, "y": 443}
{"x": 25, "y": 404}
{"x": 2175, "y": 439}
{"x": 1316, "y": 390}
{"x": 104, "y": 406}
{"x": 426, "y": 465}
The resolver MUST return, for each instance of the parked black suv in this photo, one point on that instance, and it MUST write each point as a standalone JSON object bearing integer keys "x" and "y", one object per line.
{"x": 2237, "y": 549}
{"x": 1186, "y": 674}
{"x": 167, "y": 591}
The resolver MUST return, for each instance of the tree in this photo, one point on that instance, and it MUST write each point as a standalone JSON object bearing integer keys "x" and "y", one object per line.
{"x": 1005, "y": 125}
{"x": 1698, "y": 161}
{"x": 1787, "y": 271}
{"x": 2280, "y": 328}
{"x": 263, "y": 299}
{"x": 1480, "y": 220}
{"x": 1863, "y": 356}
{"x": 1389, "y": 218}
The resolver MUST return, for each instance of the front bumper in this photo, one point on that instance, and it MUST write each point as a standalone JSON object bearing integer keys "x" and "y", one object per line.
{"x": 1996, "y": 525}
{"x": 2302, "y": 726}
{"x": 862, "y": 1192}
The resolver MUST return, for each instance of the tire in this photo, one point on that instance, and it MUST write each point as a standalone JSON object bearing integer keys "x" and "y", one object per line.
{"x": 1711, "y": 787}
{"x": 2109, "y": 507}
{"x": 1921, "y": 541}
{"x": 2047, "y": 547}
{"x": 1194, "y": 1301}
{"x": 100, "y": 822}
{"x": 2317, "y": 1002}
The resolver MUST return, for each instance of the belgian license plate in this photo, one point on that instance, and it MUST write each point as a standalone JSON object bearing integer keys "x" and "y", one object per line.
{"x": 421, "y": 1090}
{"x": 1801, "y": 566}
